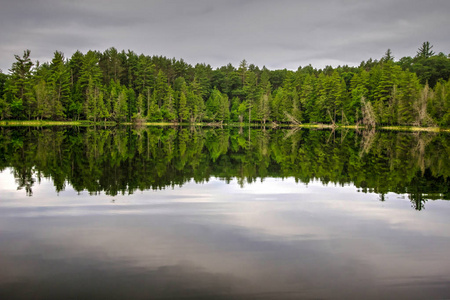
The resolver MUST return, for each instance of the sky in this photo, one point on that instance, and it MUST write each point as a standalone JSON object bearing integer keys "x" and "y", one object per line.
{"x": 276, "y": 34}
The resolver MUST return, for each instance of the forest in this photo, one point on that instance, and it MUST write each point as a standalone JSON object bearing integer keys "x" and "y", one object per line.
{"x": 124, "y": 87}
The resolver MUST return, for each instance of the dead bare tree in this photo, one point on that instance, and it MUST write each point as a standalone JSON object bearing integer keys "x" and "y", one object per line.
{"x": 292, "y": 119}
{"x": 368, "y": 138}
{"x": 368, "y": 114}
{"x": 291, "y": 132}
{"x": 419, "y": 151}
{"x": 333, "y": 123}
{"x": 423, "y": 118}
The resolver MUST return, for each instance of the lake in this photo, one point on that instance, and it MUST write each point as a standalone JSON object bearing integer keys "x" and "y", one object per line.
{"x": 223, "y": 213}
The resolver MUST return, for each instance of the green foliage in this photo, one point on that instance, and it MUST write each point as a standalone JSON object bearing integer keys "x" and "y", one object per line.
{"x": 99, "y": 86}
{"x": 121, "y": 106}
{"x": 425, "y": 51}
{"x": 183, "y": 107}
{"x": 20, "y": 89}
{"x": 3, "y": 80}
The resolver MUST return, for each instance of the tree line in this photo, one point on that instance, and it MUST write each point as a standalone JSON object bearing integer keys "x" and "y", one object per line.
{"x": 126, "y": 87}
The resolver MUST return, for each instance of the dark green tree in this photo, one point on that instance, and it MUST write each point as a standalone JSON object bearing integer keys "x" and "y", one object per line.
{"x": 425, "y": 51}
{"x": 20, "y": 94}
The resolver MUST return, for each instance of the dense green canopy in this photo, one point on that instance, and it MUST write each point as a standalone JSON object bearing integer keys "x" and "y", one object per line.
{"x": 126, "y": 87}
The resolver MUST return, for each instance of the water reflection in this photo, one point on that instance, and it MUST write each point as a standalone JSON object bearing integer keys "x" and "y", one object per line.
{"x": 209, "y": 214}
{"x": 273, "y": 239}
{"x": 123, "y": 161}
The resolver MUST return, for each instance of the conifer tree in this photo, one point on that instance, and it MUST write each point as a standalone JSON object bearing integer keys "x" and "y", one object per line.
{"x": 42, "y": 100}
{"x": 20, "y": 90}
{"x": 121, "y": 106}
{"x": 223, "y": 112}
{"x": 425, "y": 51}
{"x": 59, "y": 82}
{"x": 168, "y": 110}
{"x": 183, "y": 110}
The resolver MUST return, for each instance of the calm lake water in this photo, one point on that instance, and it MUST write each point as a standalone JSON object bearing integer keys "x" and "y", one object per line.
{"x": 223, "y": 214}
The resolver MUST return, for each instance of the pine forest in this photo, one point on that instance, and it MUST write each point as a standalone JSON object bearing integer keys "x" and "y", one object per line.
{"x": 124, "y": 87}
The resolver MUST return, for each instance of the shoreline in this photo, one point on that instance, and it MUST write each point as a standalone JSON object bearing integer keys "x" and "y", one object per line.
{"x": 205, "y": 124}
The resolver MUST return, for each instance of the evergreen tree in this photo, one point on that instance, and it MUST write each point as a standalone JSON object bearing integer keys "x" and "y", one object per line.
{"x": 121, "y": 106}
{"x": 265, "y": 98}
{"x": 445, "y": 121}
{"x": 161, "y": 88}
{"x": 251, "y": 92}
{"x": 43, "y": 95}
{"x": 425, "y": 50}
{"x": 384, "y": 94}
{"x": 308, "y": 97}
{"x": 387, "y": 56}
{"x": 20, "y": 90}
{"x": 145, "y": 77}
{"x": 92, "y": 106}
{"x": 234, "y": 115}
{"x": 103, "y": 112}
{"x": 75, "y": 106}
{"x": 153, "y": 112}
{"x": 90, "y": 70}
{"x": 59, "y": 82}
{"x": 168, "y": 110}
{"x": 223, "y": 112}
{"x": 436, "y": 104}
{"x": 408, "y": 92}
{"x": 183, "y": 110}
{"x": 213, "y": 104}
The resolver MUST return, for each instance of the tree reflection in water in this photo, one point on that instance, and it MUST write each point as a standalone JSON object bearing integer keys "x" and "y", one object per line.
{"x": 123, "y": 160}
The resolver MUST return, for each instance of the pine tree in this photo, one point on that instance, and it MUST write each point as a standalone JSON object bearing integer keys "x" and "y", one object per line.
{"x": 384, "y": 94}
{"x": 235, "y": 102}
{"x": 308, "y": 97}
{"x": 183, "y": 111}
{"x": 387, "y": 56}
{"x": 139, "y": 115}
{"x": 60, "y": 85}
{"x": 437, "y": 102}
{"x": 103, "y": 112}
{"x": 223, "y": 112}
{"x": 91, "y": 106}
{"x": 408, "y": 93}
{"x": 168, "y": 110}
{"x": 90, "y": 70}
{"x": 213, "y": 104}
{"x": 264, "y": 99}
{"x": 42, "y": 100}
{"x": 445, "y": 121}
{"x": 121, "y": 106}
{"x": 75, "y": 106}
{"x": 145, "y": 77}
{"x": 153, "y": 112}
{"x": 425, "y": 51}
{"x": 251, "y": 92}
{"x": 161, "y": 88}
{"x": 20, "y": 90}
{"x": 264, "y": 107}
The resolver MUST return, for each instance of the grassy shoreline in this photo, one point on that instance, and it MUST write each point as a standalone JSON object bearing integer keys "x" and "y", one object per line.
{"x": 35, "y": 123}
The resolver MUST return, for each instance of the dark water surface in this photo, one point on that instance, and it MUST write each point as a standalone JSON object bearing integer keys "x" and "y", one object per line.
{"x": 223, "y": 214}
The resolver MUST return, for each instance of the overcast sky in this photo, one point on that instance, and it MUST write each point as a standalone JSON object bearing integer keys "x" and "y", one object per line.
{"x": 277, "y": 34}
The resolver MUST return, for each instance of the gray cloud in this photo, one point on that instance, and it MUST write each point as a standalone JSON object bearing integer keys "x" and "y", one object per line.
{"x": 281, "y": 34}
